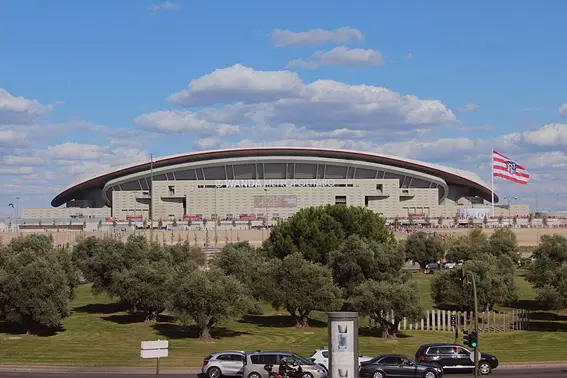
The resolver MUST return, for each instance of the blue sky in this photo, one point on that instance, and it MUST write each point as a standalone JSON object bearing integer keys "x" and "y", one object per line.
{"x": 482, "y": 74}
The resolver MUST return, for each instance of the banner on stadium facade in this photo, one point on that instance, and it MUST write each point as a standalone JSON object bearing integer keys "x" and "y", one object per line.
{"x": 274, "y": 183}
{"x": 275, "y": 201}
{"x": 475, "y": 213}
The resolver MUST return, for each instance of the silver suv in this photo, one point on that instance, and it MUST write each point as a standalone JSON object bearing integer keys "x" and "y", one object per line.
{"x": 254, "y": 364}
{"x": 228, "y": 362}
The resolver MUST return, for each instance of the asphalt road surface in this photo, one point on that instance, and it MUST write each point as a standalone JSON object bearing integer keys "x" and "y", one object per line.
{"x": 533, "y": 372}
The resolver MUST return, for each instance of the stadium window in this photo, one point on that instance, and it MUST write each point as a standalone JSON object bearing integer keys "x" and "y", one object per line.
{"x": 340, "y": 200}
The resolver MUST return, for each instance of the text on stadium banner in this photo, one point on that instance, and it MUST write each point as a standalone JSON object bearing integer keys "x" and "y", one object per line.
{"x": 274, "y": 183}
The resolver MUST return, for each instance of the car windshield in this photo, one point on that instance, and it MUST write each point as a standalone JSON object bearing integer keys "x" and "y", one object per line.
{"x": 302, "y": 361}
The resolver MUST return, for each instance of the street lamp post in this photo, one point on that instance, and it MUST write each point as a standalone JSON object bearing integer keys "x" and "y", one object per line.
{"x": 216, "y": 217}
{"x": 509, "y": 199}
{"x": 266, "y": 206}
{"x": 151, "y": 210}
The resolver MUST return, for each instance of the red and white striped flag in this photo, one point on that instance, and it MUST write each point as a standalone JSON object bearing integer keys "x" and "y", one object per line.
{"x": 508, "y": 169}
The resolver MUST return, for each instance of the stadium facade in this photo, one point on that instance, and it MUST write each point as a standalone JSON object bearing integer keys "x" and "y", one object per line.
{"x": 272, "y": 183}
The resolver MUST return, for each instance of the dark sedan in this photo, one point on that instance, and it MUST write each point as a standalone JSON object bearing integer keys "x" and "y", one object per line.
{"x": 396, "y": 365}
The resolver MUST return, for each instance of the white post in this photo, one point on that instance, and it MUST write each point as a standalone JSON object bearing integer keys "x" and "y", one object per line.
{"x": 492, "y": 177}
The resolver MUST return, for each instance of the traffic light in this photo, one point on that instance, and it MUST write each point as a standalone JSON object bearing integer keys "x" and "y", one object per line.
{"x": 474, "y": 339}
{"x": 470, "y": 338}
{"x": 466, "y": 337}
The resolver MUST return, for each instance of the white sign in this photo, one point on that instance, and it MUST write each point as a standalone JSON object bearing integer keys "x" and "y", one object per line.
{"x": 154, "y": 349}
{"x": 154, "y": 353}
{"x": 274, "y": 183}
{"x": 475, "y": 213}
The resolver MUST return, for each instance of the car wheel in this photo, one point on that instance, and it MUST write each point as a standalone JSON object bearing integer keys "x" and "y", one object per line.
{"x": 306, "y": 375}
{"x": 484, "y": 368}
{"x": 378, "y": 374}
{"x": 430, "y": 374}
{"x": 214, "y": 372}
{"x": 254, "y": 375}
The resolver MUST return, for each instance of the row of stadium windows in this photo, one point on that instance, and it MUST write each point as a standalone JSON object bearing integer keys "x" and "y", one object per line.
{"x": 275, "y": 171}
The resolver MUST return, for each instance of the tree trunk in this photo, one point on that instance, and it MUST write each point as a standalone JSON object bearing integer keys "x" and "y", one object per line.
{"x": 302, "y": 321}
{"x": 205, "y": 333}
{"x": 151, "y": 316}
{"x": 388, "y": 330}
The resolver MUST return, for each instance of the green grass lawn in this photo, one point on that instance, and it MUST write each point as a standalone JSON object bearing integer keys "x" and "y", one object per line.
{"x": 98, "y": 334}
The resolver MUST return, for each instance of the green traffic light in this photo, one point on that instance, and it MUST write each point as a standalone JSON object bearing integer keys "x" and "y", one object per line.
{"x": 473, "y": 345}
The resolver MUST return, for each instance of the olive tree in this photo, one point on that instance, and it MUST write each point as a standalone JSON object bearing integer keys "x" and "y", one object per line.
{"x": 300, "y": 287}
{"x": 36, "y": 283}
{"x": 424, "y": 249}
{"x": 548, "y": 273}
{"x": 247, "y": 264}
{"x": 359, "y": 259}
{"x": 137, "y": 272}
{"x": 381, "y": 299}
{"x": 452, "y": 288}
{"x": 209, "y": 296}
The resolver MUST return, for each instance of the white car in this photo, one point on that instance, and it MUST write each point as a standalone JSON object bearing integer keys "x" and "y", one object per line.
{"x": 321, "y": 357}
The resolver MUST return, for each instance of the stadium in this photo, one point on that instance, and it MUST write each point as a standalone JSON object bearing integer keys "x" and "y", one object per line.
{"x": 268, "y": 184}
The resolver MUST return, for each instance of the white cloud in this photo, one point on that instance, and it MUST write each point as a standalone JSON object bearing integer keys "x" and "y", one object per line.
{"x": 315, "y": 37}
{"x": 18, "y": 110}
{"x": 409, "y": 56}
{"x": 75, "y": 151}
{"x": 165, "y": 6}
{"x": 23, "y": 160}
{"x": 10, "y": 138}
{"x": 171, "y": 121}
{"x": 238, "y": 84}
{"x": 341, "y": 56}
{"x": 563, "y": 110}
{"x": 554, "y": 134}
{"x": 15, "y": 171}
{"x": 469, "y": 108}
{"x": 274, "y": 100}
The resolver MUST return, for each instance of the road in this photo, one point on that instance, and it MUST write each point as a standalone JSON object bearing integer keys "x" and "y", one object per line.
{"x": 532, "y": 372}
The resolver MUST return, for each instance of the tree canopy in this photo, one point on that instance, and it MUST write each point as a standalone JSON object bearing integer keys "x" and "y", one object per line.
{"x": 301, "y": 286}
{"x": 209, "y": 296}
{"x": 548, "y": 273}
{"x": 316, "y": 231}
{"x": 359, "y": 259}
{"x": 424, "y": 249}
{"x": 388, "y": 303}
{"x": 247, "y": 264}
{"x": 493, "y": 260}
{"x": 452, "y": 288}
{"x": 36, "y": 283}
{"x": 137, "y": 272}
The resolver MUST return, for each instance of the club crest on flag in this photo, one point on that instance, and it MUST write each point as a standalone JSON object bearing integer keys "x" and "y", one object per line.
{"x": 508, "y": 169}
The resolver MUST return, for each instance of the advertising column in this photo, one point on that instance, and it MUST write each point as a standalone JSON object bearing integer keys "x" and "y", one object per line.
{"x": 343, "y": 344}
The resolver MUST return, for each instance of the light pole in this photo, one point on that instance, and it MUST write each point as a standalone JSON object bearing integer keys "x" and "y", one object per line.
{"x": 151, "y": 212}
{"x": 17, "y": 207}
{"x": 509, "y": 199}
{"x": 216, "y": 217}
{"x": 266, "y": 206}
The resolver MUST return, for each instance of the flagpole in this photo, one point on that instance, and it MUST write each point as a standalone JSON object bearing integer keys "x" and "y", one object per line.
{"x": 492, "y": 177}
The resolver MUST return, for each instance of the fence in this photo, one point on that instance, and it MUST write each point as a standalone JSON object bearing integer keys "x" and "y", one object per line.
{"x": 488, "y": 321}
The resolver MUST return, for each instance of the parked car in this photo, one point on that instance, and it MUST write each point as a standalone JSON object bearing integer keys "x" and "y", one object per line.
{"x": 254, "y": 364}
{"x": 321, "y": 357}
{"x": 397, "y": 365}
{"x": 454, "y": 357}
{"x": 225, "y": 363}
